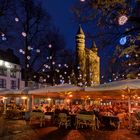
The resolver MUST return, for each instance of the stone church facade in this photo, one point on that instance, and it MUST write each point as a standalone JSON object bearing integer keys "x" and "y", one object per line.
{"x": 87, "y": 70}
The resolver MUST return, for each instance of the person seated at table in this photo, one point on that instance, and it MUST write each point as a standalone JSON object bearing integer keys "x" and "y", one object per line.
{"x": 84, "y": 111}
{"x": 36, "y": 109}
{"x": 64, "y": 110}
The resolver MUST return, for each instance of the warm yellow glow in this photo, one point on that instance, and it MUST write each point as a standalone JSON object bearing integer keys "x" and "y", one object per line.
{"x": 49, "y": 99}
{"x": 70, "y": 95}
{"x": 4, "y": 98}
{"x": 24, "y": 97}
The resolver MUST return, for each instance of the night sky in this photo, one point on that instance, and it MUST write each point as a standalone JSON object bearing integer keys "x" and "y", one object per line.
{"x": 63, "y": 19}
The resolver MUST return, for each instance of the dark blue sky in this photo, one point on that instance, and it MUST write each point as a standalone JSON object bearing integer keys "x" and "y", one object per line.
{"x": 62, "y": 18}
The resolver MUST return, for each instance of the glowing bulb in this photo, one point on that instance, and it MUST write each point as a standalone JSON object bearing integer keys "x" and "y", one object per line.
{"x": 50, "y": 46}
{"x": 16, "y": 19}
{"x": 59, "y": 65}
{"x": 28, "y": 57}
{"x": 24, "y": 34}
{"x": 127, "y": 56}
{"x": 37, "y": 50}
{"x": 123, "y": 40}
{"x": 3, "y": 38}
{"x": 122, "y": 19}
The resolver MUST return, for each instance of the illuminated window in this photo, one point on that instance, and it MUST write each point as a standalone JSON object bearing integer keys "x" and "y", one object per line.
{"x": 2, "y": 83}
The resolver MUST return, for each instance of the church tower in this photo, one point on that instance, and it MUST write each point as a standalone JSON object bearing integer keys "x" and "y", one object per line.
{"x": 95, "y": 66}
{"x": 87, "y": 71}
{"x": 80, "y": 56}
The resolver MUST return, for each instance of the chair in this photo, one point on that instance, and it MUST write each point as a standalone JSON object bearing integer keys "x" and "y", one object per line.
{"x": 87, "y": 120}
{"x": 135, "y": 123}
{"x": 64, "y": 120}
{"x": 92, "y": 122}
{"x": 37, "y": 116}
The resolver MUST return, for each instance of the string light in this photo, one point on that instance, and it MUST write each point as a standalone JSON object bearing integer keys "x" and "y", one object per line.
{"x": 28, "y": 57}
{"x": 59, "y": 65}
{"x": 16, "y": 19}
{"x": 127, "y": 55}
{"x": 38, "y": 50}
{"x": 122, "y": 19}
{"x": 53, "y": 63}
{"x": 50, "y": 45}
{"x": 24, "y": 34}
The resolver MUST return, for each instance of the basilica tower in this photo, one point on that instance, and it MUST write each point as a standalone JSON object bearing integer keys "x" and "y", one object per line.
{"x": 87, "y": 70}
{"x": 80, "y": 56}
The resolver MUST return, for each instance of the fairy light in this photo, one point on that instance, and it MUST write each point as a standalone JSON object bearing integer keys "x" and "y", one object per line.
{"x": 30, "y": 48}
{"x": 53, "y": 63}
{"x": 59, "y": 65}
{"x": 50, "y": 45}
{"x": 38, "y": 50}
{"x": 27, "y": 65}
{"x": 16, "y": 19}
{"x": 122, "y": 19}
{"x": 24, "y": 34}
{"x": 28, "y": 57}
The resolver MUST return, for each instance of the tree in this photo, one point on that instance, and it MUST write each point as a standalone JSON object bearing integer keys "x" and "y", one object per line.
{"x": 33, "y": 33}
{"x": 112, "y": 20}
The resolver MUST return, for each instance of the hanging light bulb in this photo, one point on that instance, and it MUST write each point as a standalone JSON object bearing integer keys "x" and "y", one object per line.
{"x": 59, "y": 65}
{"x": 16, "y": 19}
{"x": 28, "y": 57}
{"x": 50, "y": 45}
{"x": 24, "y": 34}
{"x": 38, "y": 50}
{"x": 122, "y": 19}
{"x": 29, "y": 47}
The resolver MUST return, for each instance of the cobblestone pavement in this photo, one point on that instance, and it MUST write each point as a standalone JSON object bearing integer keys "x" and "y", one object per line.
{"x": 21, "y": 130}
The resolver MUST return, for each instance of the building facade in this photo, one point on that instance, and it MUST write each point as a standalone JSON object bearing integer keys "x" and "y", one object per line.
{"x": 87, "y": 62}
{"x": 10, "y": 72}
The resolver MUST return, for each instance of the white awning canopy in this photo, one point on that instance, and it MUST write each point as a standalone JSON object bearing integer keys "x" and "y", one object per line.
{"x": 57, "y": 88}
{"x": 118, "y": 85}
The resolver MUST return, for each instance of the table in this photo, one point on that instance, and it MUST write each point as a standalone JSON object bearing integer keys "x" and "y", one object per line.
{"x": 110, "y": 122}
